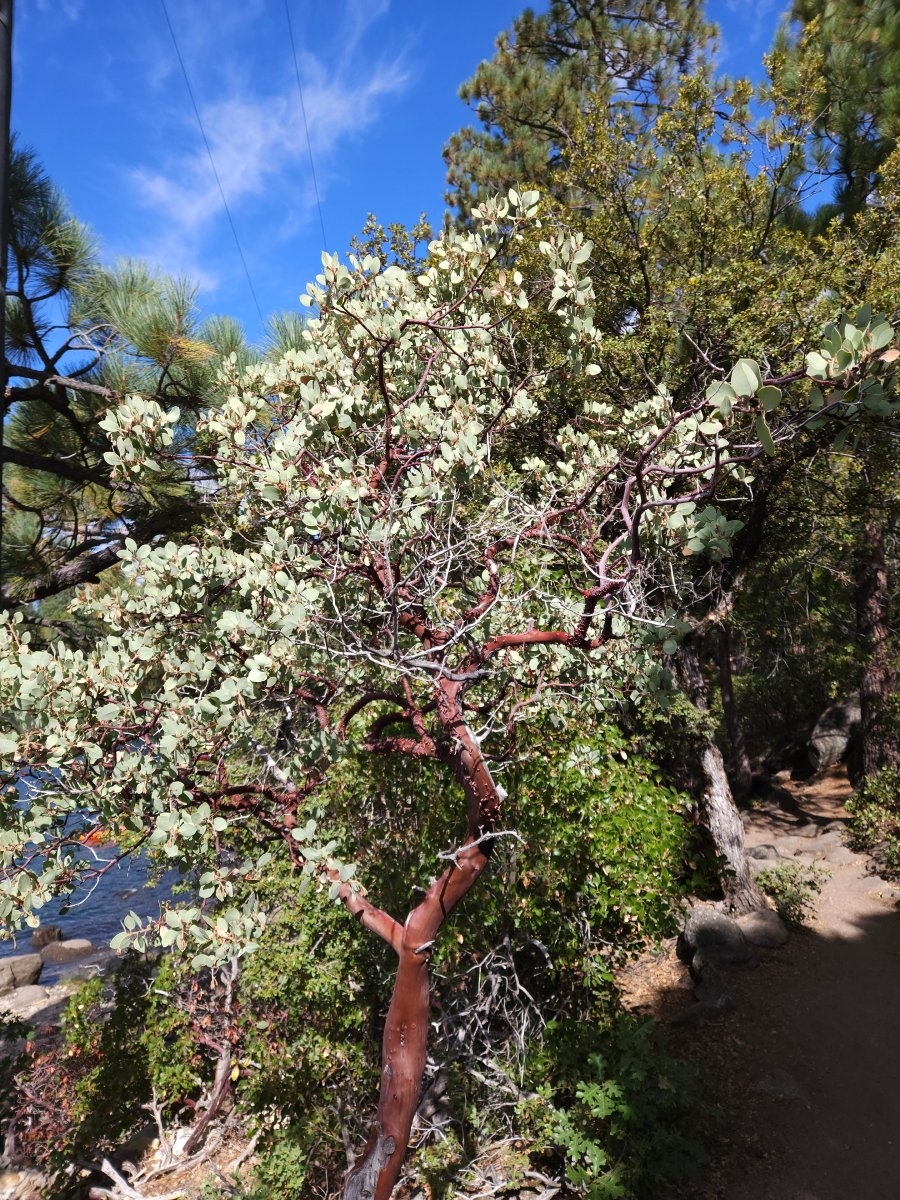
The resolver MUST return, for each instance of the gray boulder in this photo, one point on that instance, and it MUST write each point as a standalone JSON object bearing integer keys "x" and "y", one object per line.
{"x": 46, "y": 934}
{"x": 841, "y": 856}
{"x": 720, "y": 939}
{"x": 764, "y": 928}
{"x": 834, "y": 733}
{"x": 765, "y": 853}
{"x": 711, "y": 992}
{"x": 68, "y": 951}
{"x": 24, "y": 1001}
{"x": 808, "y": 830}
{"x": 19, "y": 971}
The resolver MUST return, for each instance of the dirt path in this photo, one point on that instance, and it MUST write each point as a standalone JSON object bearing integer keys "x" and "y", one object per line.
{"x": 807, "y": 1065}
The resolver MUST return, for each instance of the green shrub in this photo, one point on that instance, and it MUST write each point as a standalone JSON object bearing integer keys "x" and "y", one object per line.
{"x": 627, "y": 1119}
{"x": 875, "y": 820}
{"x": 793, "y": 888}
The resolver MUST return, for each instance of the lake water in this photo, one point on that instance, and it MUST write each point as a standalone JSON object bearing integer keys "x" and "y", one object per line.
{"x": 97, "y": 914}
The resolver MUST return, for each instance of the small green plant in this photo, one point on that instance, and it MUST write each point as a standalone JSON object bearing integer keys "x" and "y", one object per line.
{"x": 793, "y": 888}
{"x": 875, "y": 820}
{"x": 627, "y": 1118}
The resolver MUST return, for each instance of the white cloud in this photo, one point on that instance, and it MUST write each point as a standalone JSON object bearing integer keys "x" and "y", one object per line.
{"x": 258, "y": 141}
{"x": 70, "y": 10}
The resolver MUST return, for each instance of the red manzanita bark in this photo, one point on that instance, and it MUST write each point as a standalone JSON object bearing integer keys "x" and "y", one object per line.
{"x": 405, "y": 1041}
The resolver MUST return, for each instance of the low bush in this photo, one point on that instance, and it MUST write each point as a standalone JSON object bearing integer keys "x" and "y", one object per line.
{"x": 875, "y": 821}
{"x": 793, "y": 888}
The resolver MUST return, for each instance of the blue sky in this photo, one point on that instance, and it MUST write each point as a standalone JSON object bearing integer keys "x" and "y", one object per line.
{"x": 99, "y": 94}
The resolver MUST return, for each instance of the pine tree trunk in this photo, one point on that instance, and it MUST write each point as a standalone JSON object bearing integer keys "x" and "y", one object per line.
{"x": 717, "y": 807}
{"x": 742, "y": 772}
{"x": 879, "y": 748}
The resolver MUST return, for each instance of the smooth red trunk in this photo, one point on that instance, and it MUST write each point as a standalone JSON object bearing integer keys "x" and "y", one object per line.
{"x": 405, "y": 1041}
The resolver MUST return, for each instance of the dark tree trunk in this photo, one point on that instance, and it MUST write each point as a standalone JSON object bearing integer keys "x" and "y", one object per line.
{"x": 741, "y": 771}
{"x": 717, "y": 807}
{"x": 879, "y": 749}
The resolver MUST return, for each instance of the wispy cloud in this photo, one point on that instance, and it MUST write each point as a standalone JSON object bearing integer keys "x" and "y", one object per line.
{"x": 755, "y": 20}
{"x": 257, "y": 140}
{"x": 70, "y": 10}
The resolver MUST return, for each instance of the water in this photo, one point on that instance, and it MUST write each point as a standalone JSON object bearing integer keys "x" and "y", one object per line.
{"x": 97, "y": 913}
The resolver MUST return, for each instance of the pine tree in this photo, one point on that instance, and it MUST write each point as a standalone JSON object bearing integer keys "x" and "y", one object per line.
{"x": 856, "y": 107}
{"x": 549, "y": 67}
{"x": 79, "y": 337}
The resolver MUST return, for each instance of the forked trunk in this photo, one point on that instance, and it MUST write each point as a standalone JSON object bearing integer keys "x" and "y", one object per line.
{"x": 405, "y": 1041}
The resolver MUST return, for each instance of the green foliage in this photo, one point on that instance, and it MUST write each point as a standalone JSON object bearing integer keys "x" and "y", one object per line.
{"x": 793, "y": 888}
{"x": 875, "y": 820}
{"x": 306, "y": 1035}
{"x": 548, "y": 67}
{"x": 623, "y": 1114}
{"x": 84, "y": 1095}
{"x": 604, "y": 838}
{"x": 840, "y": 59}
{"x": 146, "y": 1035}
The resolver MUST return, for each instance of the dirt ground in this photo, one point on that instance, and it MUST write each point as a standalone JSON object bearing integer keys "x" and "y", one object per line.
{"x": 806, "y": 1067}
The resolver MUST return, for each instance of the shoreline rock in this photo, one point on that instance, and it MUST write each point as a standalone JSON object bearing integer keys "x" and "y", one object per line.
{"x": 20, "y": 970}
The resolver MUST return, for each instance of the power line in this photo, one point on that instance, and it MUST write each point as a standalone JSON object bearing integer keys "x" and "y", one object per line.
{"x": 212, "y": 161}
{"x": 312, "y": 165}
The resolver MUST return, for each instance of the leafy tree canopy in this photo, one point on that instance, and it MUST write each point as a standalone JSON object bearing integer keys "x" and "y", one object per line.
{"x": 79, "y": 337}
{"x": 548, "y": 68}
{"x": 377, "y": 572}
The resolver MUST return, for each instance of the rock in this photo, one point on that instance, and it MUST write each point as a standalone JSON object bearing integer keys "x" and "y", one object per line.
{"x": 834, "y": 733}
{"x": 764, "y": 853}
{"x": 827, "y": 841}
{"x": 711, "y": 991}
{"x": 22, "y": 1185}
{"x": 19, "y": 971}
{"x": 68, "y": 951}
{"x": 836, "y": 827}
{"x": 24, "y": 1001}
{"x": 712, "y": 957}
{"x": 809, "y": 830}
{"x": 764, "y": 928}
{"x": 46, "y": 934}
{"x": 789, "y": 847}
{"x": 713, "y": 999}
{"x": 719, "y": 937}
{"x": 841, "y": 856}
{"x": 781, "y": 799}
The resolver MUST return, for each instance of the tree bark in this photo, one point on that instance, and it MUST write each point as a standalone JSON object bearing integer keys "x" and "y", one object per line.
{"x": 879, "y": 748}
{"x": 405, "y": 1041}
{"x": 717, "y": 807}
{"x": 722, "y": 819}
{"x": 741, "y": 771}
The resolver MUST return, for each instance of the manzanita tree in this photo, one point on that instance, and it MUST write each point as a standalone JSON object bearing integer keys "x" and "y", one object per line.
{"x": 381, "y": 569}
